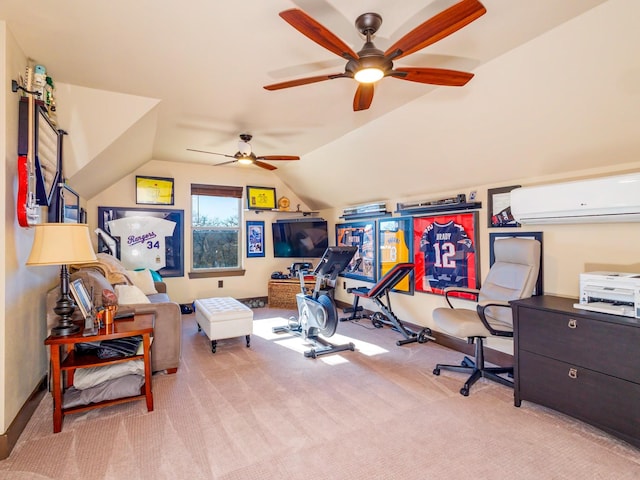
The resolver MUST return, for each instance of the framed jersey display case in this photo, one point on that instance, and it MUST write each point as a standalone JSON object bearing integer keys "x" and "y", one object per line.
{"x": 144, "y": 238}
{"x": 363, "y": 266}
{"x": 444, "y": 252}
{"x": 395, "y": 246}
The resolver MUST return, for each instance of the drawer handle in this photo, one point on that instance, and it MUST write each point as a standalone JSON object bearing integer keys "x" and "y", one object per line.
{"x": 573, "y": 373}
{"x": 573, "y": 323}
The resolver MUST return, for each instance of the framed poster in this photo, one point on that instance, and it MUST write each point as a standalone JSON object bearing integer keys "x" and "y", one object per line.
{"x": 154, "y": 190}
{"x": 395, "y": 246}
{"x": 144, "y": 238}
{"x": 261, "y": 198}
{"x": 362, "y": 235}
{"x": 495, "y": 237}
{"x": 444, "y": 252}
{"x": 499, "y": 207}
{"x": 255, "y": 239}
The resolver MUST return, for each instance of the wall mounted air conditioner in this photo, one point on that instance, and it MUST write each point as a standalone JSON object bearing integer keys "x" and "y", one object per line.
{"x": 605, "y": 199}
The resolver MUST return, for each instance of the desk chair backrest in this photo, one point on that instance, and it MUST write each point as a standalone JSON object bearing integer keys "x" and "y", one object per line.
{"x": 512, "y": 276}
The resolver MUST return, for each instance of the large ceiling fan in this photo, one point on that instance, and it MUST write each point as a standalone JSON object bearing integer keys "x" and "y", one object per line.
{"x": 245, "y": 156}
{"x": 370, "y": 64}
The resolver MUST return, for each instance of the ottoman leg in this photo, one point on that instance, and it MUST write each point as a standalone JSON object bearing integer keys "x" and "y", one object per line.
{"x": 214, "y": 344}
{"x": 248, "y": 337}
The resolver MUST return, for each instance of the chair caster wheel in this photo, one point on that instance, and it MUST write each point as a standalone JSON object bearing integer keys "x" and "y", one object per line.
{"x": 464, "y": 392}
{"x": 436, "y": 371}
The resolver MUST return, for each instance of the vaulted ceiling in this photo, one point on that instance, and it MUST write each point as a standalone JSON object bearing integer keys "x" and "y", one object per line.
{"x": 556, "y": 88}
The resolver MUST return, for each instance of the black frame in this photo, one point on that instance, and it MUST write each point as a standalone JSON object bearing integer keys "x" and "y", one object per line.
{"x": 535, "y": 235}
{"x": 367, "y": 249}
{"x": 500, "y": 198}
{"x": 68, "y": 205}
{"x": 82, "y": 297}
{"x": 143, "y": 190}
{"x": 174, "y": 249}
{"x": 402, "y": 241}
{"x": 255, "y": 200}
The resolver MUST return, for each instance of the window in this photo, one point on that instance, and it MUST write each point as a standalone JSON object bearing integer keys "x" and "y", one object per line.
{"x": 215, "y": 227}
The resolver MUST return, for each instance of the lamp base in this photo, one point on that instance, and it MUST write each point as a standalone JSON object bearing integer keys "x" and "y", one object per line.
{"x": 62, "y": 330}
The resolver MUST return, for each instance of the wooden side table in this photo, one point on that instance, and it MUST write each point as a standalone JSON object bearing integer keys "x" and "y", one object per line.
{"x": 64, "y": 360}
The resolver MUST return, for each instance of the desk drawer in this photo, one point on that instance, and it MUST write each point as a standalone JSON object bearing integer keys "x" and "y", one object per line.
{"x": 600, "y": 400}
{"x": 609, "y": 348}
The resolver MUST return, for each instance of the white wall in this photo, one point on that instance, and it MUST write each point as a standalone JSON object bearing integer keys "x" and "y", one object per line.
{"x": 185, "y": 290}
{"x": 23, "y": 356}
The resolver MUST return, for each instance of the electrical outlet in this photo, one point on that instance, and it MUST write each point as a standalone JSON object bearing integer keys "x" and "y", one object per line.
{"x": 472, "y": 196}
{"x": 344, "y": 285}
{"x": 220, "y": 283}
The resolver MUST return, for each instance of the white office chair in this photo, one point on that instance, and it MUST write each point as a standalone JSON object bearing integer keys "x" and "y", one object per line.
{"x": 512, "y": 276}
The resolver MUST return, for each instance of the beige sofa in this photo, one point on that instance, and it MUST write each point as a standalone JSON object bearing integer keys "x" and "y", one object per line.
{"x": 167, "y": 333}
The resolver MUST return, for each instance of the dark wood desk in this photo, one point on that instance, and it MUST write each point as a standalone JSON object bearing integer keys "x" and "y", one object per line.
{"x": 584, "y": 364}
{"x": 65, "y": 361}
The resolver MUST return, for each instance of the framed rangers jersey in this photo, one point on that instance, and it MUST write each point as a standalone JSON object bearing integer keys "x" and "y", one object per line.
{"x": 144, "y": 238}
{"x": 445, "y": 255}
{"x": 362, "y": 235}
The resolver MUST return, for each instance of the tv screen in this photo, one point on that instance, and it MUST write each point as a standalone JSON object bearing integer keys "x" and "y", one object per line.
{"x": 300, "y": 239}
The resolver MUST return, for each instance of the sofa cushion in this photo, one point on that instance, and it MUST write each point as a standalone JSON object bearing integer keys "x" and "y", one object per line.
{"x": 130, "y": 294}
{"x": 143, "y": 280}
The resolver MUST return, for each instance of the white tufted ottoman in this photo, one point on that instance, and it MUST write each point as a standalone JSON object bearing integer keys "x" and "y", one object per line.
{"x": 223, "y": 317}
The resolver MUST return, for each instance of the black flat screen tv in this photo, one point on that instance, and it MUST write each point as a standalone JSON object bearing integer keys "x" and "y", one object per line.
{"x": 300, "y": 239}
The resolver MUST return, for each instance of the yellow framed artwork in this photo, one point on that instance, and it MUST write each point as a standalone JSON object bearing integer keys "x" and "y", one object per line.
{"x": 261, "y": 198}
{"x": 154, "y": 190}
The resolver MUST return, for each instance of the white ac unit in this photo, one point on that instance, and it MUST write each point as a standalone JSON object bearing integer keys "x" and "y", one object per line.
{"x": 605, "y": 199}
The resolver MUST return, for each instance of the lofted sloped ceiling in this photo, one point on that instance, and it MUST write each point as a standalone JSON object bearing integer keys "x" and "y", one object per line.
{"x": 556, "y": 88}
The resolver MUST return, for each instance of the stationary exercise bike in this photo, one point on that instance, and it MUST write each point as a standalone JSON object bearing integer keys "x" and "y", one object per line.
{"x": 317, "y": 312}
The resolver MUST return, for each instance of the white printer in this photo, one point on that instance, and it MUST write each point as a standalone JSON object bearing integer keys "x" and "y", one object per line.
{"x": 610, "y": 292}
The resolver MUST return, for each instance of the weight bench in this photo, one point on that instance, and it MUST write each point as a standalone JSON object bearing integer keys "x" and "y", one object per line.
{"x": 379, "y": 293}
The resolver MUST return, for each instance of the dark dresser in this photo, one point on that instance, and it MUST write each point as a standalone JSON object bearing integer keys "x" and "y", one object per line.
{"x": 584, "y": 364}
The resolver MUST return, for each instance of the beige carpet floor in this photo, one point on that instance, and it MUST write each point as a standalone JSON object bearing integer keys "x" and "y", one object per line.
{"x": 267, "y": 412}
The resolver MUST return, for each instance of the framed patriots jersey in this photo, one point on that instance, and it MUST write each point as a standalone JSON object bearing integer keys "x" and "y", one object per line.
{"x": 144, "y": 238}
{"x": 394, "y": 247}
{"x": 444, "y": 252}
{"x": 361, "y": 235}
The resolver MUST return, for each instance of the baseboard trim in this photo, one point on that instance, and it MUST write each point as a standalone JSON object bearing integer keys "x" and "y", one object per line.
{"x": 454, "y": 343}
{"x": 9, "y": 439}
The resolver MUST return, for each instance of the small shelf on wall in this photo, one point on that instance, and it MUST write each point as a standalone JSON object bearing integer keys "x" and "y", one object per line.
{"x": 358, "y": 216}
{"x": 431, "y": 209}
{"x": 304, "y": 213}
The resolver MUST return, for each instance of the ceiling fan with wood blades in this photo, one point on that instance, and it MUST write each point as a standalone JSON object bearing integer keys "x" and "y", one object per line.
{"x": 371, "y": 64}
{"x": 245, "y": 155}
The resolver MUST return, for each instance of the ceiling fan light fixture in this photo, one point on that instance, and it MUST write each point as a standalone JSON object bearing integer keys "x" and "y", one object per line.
{"x": 245, "y": 160}
{"x": 368, "y": 75}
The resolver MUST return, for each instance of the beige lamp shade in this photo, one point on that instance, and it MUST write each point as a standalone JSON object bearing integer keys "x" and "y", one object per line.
{"x": 61, "y": 244}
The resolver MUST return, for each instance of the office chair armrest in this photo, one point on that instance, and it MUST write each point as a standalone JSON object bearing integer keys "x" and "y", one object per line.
{"x": 448, "y": 290}
{"x": 482, "y": 306}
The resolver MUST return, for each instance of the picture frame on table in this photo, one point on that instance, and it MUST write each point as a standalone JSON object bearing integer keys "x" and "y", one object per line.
{"x": 499, "y": 207}
{"x": 446, "y": 253}
{"x": 82, "y": 298}
{"x": 494, "y": 237}
{"x": 69, "y": 205}
{"x": 154, "y": 190}
{"x": 363, "y": 266}
{"x": 395, "y": 246}
{"x": 261, "y": 198}
{"x": 255, "y": 239}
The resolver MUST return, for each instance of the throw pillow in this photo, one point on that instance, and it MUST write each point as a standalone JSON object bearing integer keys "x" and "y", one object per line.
{"x": 143, "y": 280}
{"x": 130, "y": 294}
{"x": 90, "y": 377}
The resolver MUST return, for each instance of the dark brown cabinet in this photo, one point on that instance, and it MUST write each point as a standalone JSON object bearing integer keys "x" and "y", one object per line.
{"x": 583, "y": 364}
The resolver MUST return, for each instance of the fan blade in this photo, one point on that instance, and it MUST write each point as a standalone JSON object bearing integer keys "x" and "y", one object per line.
{"x": 300, "y": 81}
{"x": 434, "y": 76}
{"x": 278, "y": 157}
{"x": 210, "y": 153}
{"x": 225, "y": 163}
{"x": 364, "y": 96}
{"x": 266, "y": 166}
{"x": 316, "y": 32}
{"x": 438, "y": 27}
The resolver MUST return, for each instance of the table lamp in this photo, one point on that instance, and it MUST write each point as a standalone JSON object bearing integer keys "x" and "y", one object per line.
{"x": 62, "y": 244}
